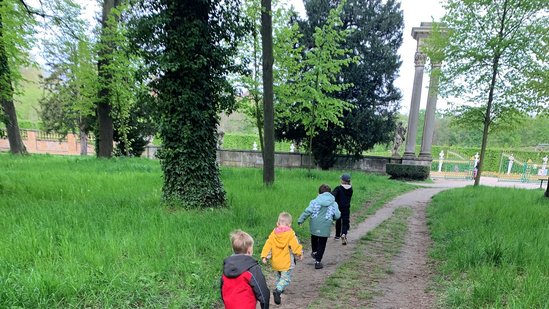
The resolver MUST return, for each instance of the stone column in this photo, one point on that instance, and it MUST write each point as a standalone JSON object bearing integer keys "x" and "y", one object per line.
{"x": 429, "y": 124}
{"x": 409, "y": 151}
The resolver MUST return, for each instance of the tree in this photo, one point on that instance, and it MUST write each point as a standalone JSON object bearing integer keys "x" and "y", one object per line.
{"x": 375, "y": 38}
{"x": 189, "y": 48}
{"x": 489, "y": 51}
{"x": 268, "y": 104}
{"x": 104, "y": 106}
{"x": 71, "y": 88}
{"x": 16, "y": 29}
{"x": 308, "y": 97}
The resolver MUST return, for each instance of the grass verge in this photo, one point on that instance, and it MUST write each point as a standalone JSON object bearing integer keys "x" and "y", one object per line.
{"x": 492, "y": 247}
{"x": 83, "y": 232}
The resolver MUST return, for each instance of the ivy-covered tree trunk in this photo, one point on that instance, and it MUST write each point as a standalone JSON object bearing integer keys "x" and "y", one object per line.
{"x": 104, "y": 106}
{"x": 268, "y": 107}
{"x": 8, "y": 116}
{"x": 189, "y": 46}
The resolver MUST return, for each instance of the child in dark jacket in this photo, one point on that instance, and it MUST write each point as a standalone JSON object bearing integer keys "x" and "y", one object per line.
{"x": 343, "y": 194}
{"x": 322, "y": 210}
{"x": 243, "y": 283}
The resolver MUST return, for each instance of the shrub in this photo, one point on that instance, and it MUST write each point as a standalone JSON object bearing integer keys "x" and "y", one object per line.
{"x": 404, "y": 171}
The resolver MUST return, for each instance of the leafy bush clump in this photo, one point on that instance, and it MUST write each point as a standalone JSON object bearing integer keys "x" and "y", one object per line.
{"x": 404, "y": 171}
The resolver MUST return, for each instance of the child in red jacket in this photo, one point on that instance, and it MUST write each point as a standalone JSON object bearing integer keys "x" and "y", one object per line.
{"x": 243, "y": 283}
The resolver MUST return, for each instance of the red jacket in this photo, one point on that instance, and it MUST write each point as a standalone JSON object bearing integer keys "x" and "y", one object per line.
{"x": 243, "y": 283}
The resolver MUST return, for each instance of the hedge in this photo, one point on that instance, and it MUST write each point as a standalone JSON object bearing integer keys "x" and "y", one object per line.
{"x": 404, "y": 171}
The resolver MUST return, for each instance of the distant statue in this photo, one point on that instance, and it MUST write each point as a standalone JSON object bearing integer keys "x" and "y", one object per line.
{"x": 399, "y": 138}
{"x": 220, "y": 136}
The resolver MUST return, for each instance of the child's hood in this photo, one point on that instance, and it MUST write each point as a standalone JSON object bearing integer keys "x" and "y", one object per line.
{"x": 236, "y": 264}
{"x": 325, "y": 199}
{"x": 281, "y": 236}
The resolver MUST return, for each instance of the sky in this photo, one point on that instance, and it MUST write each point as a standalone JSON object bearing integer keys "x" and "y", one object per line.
{"x": 415, "y": 12}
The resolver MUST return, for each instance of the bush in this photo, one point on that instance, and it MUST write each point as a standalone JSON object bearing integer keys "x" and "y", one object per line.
{"x": 404, "y": 171}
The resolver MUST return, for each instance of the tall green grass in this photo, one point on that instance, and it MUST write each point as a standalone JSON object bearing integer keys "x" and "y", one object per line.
{"x": 83, "y": 232}
{"x": 493, "y": 247}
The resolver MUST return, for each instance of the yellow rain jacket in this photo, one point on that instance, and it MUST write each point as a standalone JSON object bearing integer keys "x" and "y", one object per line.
{"x": 282, "y": 245}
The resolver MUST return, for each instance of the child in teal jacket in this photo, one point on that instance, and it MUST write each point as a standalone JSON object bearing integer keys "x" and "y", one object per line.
{"x": 322, "y": 210}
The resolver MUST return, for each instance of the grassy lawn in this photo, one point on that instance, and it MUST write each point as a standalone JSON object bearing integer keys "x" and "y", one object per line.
{"x": 83, "y": 232}
{"x": 492, "y": 246}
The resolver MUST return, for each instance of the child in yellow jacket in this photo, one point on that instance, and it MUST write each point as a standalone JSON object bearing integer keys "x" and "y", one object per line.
{"x": 282, "y": 247}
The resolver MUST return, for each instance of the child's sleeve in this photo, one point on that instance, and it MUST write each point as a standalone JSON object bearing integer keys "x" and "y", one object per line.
{"x": 297, "y": 248}
{"x": 259, "y": 286}
{"x": 337, "y": 213}
{"x": 266, "y": 248}
{"x": 306, "y": 213}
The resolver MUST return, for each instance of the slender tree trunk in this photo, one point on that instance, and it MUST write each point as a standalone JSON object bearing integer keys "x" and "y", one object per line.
{"x": 257, "y": 98}
{"x": 487, "y": 115}
{"x": 268, "y": 106}
{"x": 104, "y": 107}
{"x": 6, "y": 99}
{"x": 83, "y": 141}
{"x": 547, "y": 189}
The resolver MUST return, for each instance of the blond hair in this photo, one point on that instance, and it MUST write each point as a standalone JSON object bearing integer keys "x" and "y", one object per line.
{"x": 241, "y": 241}
{"x": 285, "y": 219}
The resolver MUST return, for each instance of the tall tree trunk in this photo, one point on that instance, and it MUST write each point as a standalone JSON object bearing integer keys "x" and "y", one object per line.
{"x": 487, "y": 115}
{"x": 268, "y": 106}
{"x": 547, "y": 189}
{"x": 6, "y": 98}
{"x": 104, "y": 107}
{"x": 83, "y": 141}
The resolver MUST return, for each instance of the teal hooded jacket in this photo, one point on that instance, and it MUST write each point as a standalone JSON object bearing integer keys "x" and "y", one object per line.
{"x": 322, "y": 210}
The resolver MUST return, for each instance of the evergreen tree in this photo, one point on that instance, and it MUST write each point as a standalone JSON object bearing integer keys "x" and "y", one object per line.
{"x": 188, "y": 47}
{"x": 375, "y": 38}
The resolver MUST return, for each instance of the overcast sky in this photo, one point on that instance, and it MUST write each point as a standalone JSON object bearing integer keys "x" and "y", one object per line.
{"x": 415, "y": 12}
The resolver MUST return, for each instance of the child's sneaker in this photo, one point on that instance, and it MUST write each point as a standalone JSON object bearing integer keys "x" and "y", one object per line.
{"x": 276, "y": 295}
{"x": 344, "y": 239}
{"x": 318, "y": 265}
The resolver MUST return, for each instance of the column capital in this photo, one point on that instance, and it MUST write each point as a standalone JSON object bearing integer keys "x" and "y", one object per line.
{"x": 419, "y": 59}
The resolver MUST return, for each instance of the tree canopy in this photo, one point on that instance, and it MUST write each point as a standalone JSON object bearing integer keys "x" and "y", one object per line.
{"x": 489, "y": 51}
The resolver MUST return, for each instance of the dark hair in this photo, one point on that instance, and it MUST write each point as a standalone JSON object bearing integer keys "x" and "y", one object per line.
{"x": 324, "y": 188}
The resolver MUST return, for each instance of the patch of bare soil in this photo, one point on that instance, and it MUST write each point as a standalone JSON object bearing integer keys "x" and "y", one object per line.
{"x": 410, "y": 268}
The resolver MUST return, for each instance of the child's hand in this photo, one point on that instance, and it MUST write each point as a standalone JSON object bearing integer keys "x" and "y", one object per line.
{"x": 301, "y": 257}
{"x": 264, "y": 260}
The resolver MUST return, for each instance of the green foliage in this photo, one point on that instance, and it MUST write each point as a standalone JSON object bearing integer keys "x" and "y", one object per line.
{"x": 489, "y": 53}
{"x": 492, "y": 158}
{"x": 404, "y": 171}
{"x": 491, "y": 247}
{"x": 313, "y": 77}
{"x": 189, "y": 48}
{"x": 375, "y": 36}
{"x": 111, "y": 244}
{"x": 70, "y": 90}
{"x": 16, "y": 31}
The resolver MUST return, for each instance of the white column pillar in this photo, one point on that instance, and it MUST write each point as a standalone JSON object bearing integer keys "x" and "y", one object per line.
{"x": 409, "y": 151}
{"x": 429, "y": 124}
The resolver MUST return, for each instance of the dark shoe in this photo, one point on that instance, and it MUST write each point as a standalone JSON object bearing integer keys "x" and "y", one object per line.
{"x": 344, "y": 239}
{"x": 336, "y": 238}
{"x": 318, "y": 265}
{"x": 313, "y": 255}
{"x": 276, "y": 295}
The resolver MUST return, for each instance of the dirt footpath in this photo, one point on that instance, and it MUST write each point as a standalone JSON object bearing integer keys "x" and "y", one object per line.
{"x": 407, "y": 286}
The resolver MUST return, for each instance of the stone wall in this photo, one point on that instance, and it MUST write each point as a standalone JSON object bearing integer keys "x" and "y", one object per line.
{"x": 245, "y": 158}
